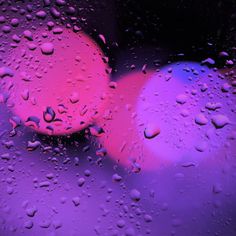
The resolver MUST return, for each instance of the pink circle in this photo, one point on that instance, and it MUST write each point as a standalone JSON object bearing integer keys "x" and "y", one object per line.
{"x": 121, "y": 138}
{"x": 59, "y": 82}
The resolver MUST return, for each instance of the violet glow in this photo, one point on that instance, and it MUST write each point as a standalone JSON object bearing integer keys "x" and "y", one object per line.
{"x": 155, "y": 153}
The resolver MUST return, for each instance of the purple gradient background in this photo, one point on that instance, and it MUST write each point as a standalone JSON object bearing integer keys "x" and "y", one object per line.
{"x": 179, "y": 199}
{"x": 175, "y": 200}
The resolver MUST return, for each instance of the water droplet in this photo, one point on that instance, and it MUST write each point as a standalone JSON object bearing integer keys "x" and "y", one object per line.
{"x": 219, "y": 121}
{"x": 135, "y": 195}
{"x": 151, "y": 131}
{"x": 200, "y": 119}
{"x": 47, "y": 48}
{"x": 49, "y": 115}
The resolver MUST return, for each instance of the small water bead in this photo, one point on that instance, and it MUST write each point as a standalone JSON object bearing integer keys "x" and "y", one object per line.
{"x": 44, "y": 184}
{"x": 6, "y": 29}
{"x": 31, "y": 211}
{"x": 217, "y": 188}
{"x": 45, "y": 224}
{"x": 151, "y": 131}
{"x": 55, "y": 13}
{"x": 225, "y": 87}
{"x": 74, "y": 98}
{"x": 60, "y": 2}
{"x": 116, "y": 178}
{"x": 184, "y": 113}
{"x": 223, "y": 54}
{"x": 49, "y": 115}
{"x": 201, "y": 147}
{"x": 28, "y": 35}
{"x": 208, "y": 61}
{"x": 200, "y": 119}
{"x": 47, "y": 48}
{"x": 135, "y": 195}
{"x": 41, "y": 14}
{"x": 219, "y": 121}
{"x": 29, "y": 224}
{"x": 57, "y": 30}
{"x": 120, "y": 223}
{"x": 76, "y": 201}
{"x": 25, "y": 94}
{"x": 2, "y": 19}
{"x": 6, "y": 71}
{"x": 33, "y": 145}
{"x": 57, "y": 224}
{"x": 147, "y": 218}
{"x": 81, "y": 182}
{"x": 213, "y": 106}
{"x": 15, "y": 22}
{"x": 16, "y": 38}
{"x": 181, "y": 99}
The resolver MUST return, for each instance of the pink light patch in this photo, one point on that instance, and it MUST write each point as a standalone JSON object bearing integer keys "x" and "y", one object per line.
{"x": 121, "y": 138}
{"x": 59, "y": 82}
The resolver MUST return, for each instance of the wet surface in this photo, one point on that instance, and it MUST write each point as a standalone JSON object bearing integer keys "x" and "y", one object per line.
{"x": 107, "y": 130}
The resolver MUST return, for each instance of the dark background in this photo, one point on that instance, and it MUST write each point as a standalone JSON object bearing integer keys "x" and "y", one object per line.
{"x": 196, "y": 28}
